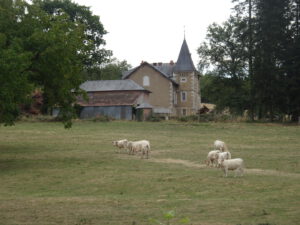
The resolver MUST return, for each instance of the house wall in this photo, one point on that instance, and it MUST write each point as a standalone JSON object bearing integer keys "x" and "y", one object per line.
{"x": 158, "y": 85}
{"x": 191, "y": 87}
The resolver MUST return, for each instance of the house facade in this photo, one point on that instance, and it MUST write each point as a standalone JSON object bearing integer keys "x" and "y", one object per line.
{"x": 174, "y": 87}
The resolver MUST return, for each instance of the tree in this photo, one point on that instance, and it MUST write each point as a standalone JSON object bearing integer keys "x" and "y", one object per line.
{"x": 41, "y": 50}
{"x": 93, "y": 28}
{"x": 271, "y": 40}
{"x": 266, "y": 32}
{"x": 292, "y": 64}
{"x": 109, "y": 71}
{"x": 224, "y": 52}
{"x": 244, "y": 10}
{"x": 14, "y": 61}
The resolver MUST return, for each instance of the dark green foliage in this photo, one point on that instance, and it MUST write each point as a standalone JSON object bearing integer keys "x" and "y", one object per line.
{"x": 226, "y": 85}
{"x": 109, "y": 71}
{"x": 271, "y": 40}
{"x": 14, "y": 79}
{"x": 153, "y": 118}
{"x": 252, "y": 61}
{"x": 46, "y": 45}
{"x": 188, "y": 118}
{"x": 225, "y": 92}
{"x": 93, "y": 28}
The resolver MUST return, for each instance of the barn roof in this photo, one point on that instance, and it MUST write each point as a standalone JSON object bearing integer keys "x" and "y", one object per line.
{"x": 145, "y": 105}
{"x": 111, "y": 85}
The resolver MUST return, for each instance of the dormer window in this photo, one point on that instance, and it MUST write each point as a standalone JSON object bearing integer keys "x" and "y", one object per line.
{"x": 146, "y": 81}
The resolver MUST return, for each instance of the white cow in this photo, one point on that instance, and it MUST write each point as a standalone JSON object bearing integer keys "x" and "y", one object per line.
{"x": 121, "y": 144}
{"x": 233, "y": 164}
{"x": 220, "y": 145}
{"x": 211, "y": 159}
{"x": 142, "y": 146}
{"x": 221, "y": 156}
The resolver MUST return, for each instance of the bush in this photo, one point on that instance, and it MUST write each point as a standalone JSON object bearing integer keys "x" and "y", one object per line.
{"x": 188, "y": 118}
{"x": 37, "y": 118}
{"x": 207, "y": 117}
{"x": 210, "y": 117}
{"x": 154, "y": 119}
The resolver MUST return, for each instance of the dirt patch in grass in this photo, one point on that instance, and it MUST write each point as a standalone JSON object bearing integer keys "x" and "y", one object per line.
{"x": 179, "y": 161}
{"x": 188, "y": 163}
{"x": 272, "y": 173}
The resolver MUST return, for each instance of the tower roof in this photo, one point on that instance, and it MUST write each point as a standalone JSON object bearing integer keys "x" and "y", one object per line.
{"x": 184, "y": 62}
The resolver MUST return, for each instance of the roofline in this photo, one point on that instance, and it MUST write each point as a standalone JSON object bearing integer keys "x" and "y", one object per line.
{"x": 104, "y": 105}
{"x": 185, "y": 51}
{"x": 144, "y": 90}
{"x": 153, "y": 67}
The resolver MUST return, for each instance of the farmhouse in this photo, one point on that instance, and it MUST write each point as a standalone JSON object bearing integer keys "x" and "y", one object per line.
{"x": 168, "y": 89}
{"x": 174, "y": 87}
{"x": 114, "y": 98}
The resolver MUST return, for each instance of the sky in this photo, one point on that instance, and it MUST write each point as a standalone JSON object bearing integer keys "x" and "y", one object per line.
{"x": 153, "y": 30}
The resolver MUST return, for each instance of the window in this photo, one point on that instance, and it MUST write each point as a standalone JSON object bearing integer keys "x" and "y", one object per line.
{"x": 183, "y": 78}
{"x": 175, "y": 98}
{"x": 183, "y": 96}
{"x": 183, "y": 112}
{"x": 146, "y": 81}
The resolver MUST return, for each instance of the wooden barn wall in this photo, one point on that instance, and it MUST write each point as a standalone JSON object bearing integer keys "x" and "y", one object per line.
{"x": 116, "y": 112}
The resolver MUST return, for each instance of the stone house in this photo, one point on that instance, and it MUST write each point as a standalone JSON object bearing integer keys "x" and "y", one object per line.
{"x": 174, "y": 87}
{"x": 166, "y": 89}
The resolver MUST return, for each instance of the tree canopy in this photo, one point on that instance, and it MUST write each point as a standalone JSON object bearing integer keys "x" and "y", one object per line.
{"x": 46, "y": 45}
{"x": 111, "y": 70}
{"x": 253, "y": 59}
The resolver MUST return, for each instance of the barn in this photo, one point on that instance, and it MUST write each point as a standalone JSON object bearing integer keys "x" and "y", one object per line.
{"x": 114, "y": 98}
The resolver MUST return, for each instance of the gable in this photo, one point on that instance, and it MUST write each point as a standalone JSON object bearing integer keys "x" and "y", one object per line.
{"x": 160, "y": 70}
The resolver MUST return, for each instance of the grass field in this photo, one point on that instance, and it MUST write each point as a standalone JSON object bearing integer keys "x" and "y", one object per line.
{"x": 50, "y": 175}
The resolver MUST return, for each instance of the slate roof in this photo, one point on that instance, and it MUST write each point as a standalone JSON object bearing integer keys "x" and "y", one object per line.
{"x": 184, "y": 62}
{"x": 111, "y": 85}
{"x": 165, "y": 69}
{"x": 145, "y": 105}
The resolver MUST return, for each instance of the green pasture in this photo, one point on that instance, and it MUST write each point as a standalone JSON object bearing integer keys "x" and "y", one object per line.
{"x": 51, "y": 175}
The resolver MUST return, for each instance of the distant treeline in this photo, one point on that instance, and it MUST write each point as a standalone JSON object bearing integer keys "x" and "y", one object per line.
{"x": 252, "y": 61}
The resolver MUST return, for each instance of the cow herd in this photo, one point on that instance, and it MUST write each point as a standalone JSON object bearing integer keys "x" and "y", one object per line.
{"x": 220, "y": 157}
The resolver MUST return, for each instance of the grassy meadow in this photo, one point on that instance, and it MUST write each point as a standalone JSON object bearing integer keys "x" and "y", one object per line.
{"x": 51, "y": 175}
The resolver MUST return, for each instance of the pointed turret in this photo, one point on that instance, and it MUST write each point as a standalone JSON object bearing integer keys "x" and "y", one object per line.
{"x": 184, "y": 62}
